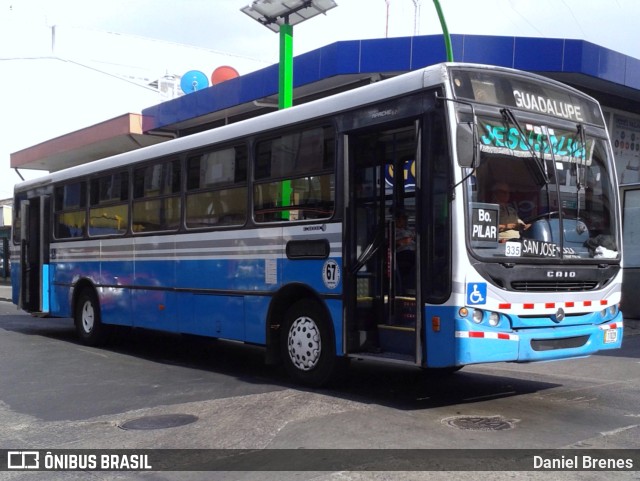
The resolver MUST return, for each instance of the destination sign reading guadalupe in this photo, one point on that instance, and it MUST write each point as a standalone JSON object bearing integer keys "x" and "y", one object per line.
{"x": 514, "y": 91}
{"x": 546, "y": 105}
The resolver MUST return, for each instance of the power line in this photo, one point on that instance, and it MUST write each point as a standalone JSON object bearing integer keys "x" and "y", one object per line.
{"x": 511, "y": 2}
{"x": 584, "y": 35}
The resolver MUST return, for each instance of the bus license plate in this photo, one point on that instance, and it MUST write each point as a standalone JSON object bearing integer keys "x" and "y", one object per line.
{"x": 610, "y": 335}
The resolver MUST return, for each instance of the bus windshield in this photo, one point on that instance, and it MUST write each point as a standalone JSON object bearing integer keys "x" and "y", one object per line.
{"x": 539, "y": 192}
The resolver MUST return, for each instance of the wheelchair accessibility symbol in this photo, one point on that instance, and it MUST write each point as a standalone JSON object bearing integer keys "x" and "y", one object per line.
{"x": 476, "y": 293}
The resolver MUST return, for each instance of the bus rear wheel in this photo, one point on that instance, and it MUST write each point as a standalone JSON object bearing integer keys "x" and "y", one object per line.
{"x": 89, "y": 327}
{"x": 308, "y": 349}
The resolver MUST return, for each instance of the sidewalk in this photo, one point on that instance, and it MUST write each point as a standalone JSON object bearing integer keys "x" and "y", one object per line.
{"x": 5, "y": 289}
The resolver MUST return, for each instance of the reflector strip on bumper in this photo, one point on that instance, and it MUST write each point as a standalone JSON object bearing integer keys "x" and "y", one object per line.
{"x": 487, "y": 335}
{"x": 613, "y": 325}
{"x": 552, "y": 305}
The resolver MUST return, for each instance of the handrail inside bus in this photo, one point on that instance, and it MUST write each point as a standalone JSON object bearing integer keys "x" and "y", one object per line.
{"x": 370, "y": 250}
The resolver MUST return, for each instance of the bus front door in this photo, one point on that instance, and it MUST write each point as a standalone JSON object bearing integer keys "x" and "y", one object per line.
{"x": 34, "y": 255}
{"x": 383, "y": 318}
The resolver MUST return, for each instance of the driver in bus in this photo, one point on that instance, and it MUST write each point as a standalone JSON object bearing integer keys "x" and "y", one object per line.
{"x": 510, "y": 223}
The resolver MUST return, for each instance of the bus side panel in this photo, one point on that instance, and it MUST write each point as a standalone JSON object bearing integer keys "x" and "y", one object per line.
{"x": 59, "y": 296}
{"x": 222, "y": 276}
{"x": 116, "y": 277}
{"x": 323, "y": 276}
{"x": 115, "y": 305}
{"x": 153, "y": 305}
{"x": 217, "y": 310}
{"x": 335, "y": 310}
{"x": 63, "y": 277}
{"x": 440, "y": 344}
{"x": 15, "y": 283}
{"x": 155, "y": 309}
{"x": 212, "y": 315}
{"x": 256, "y": 310}
{"x": 115, "y": 302}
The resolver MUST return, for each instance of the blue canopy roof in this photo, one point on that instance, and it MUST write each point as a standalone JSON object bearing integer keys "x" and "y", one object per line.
{"x": 575, "y": 61}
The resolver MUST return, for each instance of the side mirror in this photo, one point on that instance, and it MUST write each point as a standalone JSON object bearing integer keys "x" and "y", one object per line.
{"x": 467, "y": 144}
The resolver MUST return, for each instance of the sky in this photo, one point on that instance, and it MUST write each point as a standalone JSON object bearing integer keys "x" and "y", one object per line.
{"x": 146, "y": 39}
{"x": 219, "y": 24}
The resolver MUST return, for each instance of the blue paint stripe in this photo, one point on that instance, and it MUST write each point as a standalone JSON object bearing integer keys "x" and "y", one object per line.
{"x": 45, "y": 288}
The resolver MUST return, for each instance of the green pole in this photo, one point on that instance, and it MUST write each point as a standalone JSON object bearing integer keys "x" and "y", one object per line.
{"x": 285, "y": 95}
{"x": 285, "y": 84}
{"x": 445, "y": 31}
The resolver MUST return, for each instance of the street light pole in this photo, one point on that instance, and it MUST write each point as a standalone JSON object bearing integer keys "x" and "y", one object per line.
{"x": 280, "y": 16}
{"x": 285, "y": 71}
{"x": 445, "y": 31}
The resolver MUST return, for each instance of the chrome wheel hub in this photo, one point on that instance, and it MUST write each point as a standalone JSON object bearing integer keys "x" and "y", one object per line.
{"x": 304, "y": 343}
{"x": 88, "y": 317}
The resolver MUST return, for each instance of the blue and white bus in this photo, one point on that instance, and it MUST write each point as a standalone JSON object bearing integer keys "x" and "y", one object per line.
{"x": 284, "y": 230}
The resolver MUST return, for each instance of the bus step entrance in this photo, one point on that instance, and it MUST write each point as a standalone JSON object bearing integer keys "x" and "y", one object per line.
{"x": 398, "y": 334}
{"x": 394, "y": 357}
{"x": 402, "y": 312}
{"x": 392, "y": 333}
{"x": 397, "y": 339}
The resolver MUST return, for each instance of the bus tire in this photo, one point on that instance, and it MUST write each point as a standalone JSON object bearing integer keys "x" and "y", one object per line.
{"x": 91, "y": 331}
{"x": 308, "y": 349}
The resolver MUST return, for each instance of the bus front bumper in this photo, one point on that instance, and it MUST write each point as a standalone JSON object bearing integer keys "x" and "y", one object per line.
{"x": 536, "y": 344}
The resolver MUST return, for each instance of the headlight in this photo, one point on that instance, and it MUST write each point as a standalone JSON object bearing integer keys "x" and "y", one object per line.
{"x": 613, "y": 310}
{"x": 477, "y": 316}
{"x": 494, "y": 319}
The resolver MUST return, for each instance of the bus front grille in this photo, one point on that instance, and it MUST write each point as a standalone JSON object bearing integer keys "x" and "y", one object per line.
{"x": 553, "y": 286}
{"x": 553, "y": 344}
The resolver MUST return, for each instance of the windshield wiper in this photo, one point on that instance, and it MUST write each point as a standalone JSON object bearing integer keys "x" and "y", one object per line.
{"x": 580, "y": 174}
{"x": 510, "y": 119}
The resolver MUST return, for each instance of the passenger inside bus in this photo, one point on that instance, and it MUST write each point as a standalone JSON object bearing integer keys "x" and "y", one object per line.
{"x": 405, "y": 253}
{"x": 510, "y": 223}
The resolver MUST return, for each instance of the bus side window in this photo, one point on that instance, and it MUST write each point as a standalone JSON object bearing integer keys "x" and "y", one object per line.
{"x": 157, "y": 201}
{"x": 233, "y": 204}
{"x": 109, "y": 209}
{"x": 202, "y": 210}
{"x": 216, "y": 188}
{"x": 294, "y": 176}
{"x": 69, "y": 213}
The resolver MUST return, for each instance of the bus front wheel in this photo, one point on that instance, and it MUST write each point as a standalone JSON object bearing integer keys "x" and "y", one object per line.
{"x": 89, "y": 326}
{"x": 308, "y": 349}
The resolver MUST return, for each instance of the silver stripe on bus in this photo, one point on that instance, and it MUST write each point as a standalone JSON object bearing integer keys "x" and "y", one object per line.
{"x": 255, "y": 243}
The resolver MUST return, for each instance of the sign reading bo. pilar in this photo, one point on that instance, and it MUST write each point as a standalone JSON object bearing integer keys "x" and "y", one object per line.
{"x": 484, "y": 224}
